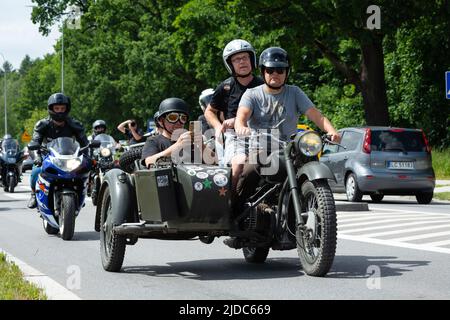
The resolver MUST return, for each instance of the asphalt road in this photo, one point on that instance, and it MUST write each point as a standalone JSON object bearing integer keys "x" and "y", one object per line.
{"x": 397, "y": 250}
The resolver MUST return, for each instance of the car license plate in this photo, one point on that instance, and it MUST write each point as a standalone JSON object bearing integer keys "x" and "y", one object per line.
{"x": 408, "y": 165}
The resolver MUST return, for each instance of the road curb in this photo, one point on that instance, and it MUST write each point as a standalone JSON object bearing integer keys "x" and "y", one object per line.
{"x": 52, "y": 289}
{"x": 351, "y": 206}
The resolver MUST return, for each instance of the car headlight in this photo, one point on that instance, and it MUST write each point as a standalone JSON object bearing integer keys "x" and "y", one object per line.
{"x": 310, "y": 144}
{"x": 105, "y": 152}
{"x": 67, "y": 164}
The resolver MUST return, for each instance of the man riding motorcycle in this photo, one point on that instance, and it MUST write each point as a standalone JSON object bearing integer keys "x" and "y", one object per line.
{"x": 57, "y": 124}
{"x": 98, "y": 127}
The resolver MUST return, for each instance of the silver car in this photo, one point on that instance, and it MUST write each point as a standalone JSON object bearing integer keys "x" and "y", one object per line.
{"x": 381, "y": 161}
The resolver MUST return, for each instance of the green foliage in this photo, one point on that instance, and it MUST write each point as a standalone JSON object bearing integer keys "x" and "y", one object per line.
{"x": 130, "y": 55}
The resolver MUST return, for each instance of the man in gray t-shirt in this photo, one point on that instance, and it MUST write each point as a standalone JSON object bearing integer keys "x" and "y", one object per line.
{"x": 267, "y": 110}
{"x": 263, "y": 107}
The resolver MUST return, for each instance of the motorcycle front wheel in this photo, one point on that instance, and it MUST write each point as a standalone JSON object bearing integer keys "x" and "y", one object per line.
{"x": 67, "y": 217}
{"x": 316, "y": 241}
{"x": 11, "y": 183}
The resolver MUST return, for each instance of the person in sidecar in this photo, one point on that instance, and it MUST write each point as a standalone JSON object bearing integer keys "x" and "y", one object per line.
{"x": 57, "y": 124}
{"x": 173, "y": 113}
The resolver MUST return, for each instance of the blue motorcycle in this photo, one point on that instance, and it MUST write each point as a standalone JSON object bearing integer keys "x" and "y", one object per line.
{"x": 61, "y": 185}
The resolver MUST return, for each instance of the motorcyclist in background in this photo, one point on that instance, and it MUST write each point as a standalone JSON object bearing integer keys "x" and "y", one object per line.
{"x": 57, "y": 124}
{"x": 98, "y": 127}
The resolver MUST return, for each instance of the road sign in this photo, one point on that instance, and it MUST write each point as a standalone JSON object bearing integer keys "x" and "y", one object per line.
{"x": 447, "y": 84}
{"x": 25, "y": 137}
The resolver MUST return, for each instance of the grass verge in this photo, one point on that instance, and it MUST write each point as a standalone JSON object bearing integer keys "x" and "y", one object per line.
{"x": 13, "y": 286}
{"x": 441, "y": 163}
{"x": 442, "y": 196}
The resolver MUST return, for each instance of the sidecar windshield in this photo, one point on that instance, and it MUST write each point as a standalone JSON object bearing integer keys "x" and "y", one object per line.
{"x": 10, "y": 145}
{"x": 64, "y": 146}
{"x": 106, "y": 141}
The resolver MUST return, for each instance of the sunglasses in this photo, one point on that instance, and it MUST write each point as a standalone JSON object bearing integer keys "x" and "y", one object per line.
{"x": 277, "y": 70}
{"x": 173, "y": 117}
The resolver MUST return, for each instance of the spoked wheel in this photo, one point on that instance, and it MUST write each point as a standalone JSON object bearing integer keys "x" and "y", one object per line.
{"x": 112, "y": 246}
{"x": 316, "y": 242}
{"x": 67, "y": 217}
{"x": 255, "y": 255}
{"x": 48, "y": 228}
{"x": 11, "y": 183}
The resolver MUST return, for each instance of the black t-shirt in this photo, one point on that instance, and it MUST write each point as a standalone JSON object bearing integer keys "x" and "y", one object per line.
{"x": 155, "y": 144}
{"x": 227, "y": 95}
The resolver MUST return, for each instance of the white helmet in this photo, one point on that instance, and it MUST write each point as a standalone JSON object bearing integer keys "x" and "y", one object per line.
{"x": 236, "y": 46}
{"x": 205, "y": 98}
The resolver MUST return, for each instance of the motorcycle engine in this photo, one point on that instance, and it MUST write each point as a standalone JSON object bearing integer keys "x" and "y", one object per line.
{"x": 259, "y": 219}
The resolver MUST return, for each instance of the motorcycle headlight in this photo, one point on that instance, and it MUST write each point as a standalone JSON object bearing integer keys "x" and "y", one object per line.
{"x": 310, "y": 144}
{"x": 68, "y": 164}
{"x": 105, "y": 152}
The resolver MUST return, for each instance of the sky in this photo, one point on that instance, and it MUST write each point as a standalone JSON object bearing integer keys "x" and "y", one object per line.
{"x": 19, "y": 36}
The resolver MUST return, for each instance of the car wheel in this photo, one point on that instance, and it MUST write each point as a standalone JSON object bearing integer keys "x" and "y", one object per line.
{"x": 377, "y": 197}
{"x": 424, "y": 197}
{"x": 352, "y": 190}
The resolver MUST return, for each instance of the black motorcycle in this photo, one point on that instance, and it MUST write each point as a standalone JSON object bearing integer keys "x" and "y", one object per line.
{"x": 11, "y": 160}
{"x": 103, "y": 161}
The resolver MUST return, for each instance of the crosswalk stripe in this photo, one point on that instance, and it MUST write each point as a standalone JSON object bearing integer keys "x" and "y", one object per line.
{"x": 344, "y": 219}
{"x": 391, "y": 226}
{"x": 439, "y": 243}
{"x": 389, "y": 220}
{"x": 410, "y": 211}
{"x": 422, "y": 236}
{"x": 387, "y": 233}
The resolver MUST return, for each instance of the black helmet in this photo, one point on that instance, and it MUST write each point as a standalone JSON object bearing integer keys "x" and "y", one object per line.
{"x": 156, "y": 118}
{"x": 58, "y": 98}
{"x": 274, "y": 57}
{"x": 172, "y": 105}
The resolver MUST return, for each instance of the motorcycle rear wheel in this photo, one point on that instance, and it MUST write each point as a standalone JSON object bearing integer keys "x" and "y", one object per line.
{"x": 316, "y": 245}
{"x": 67, "y": 217}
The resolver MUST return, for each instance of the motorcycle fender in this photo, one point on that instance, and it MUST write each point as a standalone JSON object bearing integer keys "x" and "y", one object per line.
{"x": 123, "y": 198}
{"x": 315, "y": 170}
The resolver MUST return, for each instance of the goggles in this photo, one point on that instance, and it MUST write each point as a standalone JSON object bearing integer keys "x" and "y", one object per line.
{"x": 173, "y": 117}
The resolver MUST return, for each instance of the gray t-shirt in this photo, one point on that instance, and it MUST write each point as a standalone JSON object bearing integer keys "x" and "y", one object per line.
{"x": 269, "y": 109}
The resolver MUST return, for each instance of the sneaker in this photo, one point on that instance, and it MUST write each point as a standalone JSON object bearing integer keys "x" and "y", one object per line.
{"x": 32, "y": 203}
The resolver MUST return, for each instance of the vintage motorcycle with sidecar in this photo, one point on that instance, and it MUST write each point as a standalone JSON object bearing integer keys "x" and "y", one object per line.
{"x": 292, "y": 208}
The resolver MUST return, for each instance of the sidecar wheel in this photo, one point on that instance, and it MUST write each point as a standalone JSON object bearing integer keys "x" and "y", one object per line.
{"x": 316, "y": 245}
{"x": 112, "y": 246}
{"x": 255, "y": 255}
{"x": 67, "y": 217}
{"x": 48, "y": 228}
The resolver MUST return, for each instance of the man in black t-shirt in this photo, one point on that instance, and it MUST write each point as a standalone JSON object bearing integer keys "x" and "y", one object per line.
{"x": 240, "y": 60}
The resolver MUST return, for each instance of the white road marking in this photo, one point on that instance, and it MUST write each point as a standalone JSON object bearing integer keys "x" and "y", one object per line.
{"x": 409, "y": 211}
{"x": 378, "y": 216}
{"x": 52, "y": 289}
{"x": 387, "y": 233}
{"x": 389, "y": 220}
{"x": 392, "y": 226}
{"x": 423, "y": 236}
{"x": 423, "y": 247}
{"x": 439, "y": 243}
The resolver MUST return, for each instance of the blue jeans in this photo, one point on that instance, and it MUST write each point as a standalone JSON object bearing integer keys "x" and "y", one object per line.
{"x": 34, "y": 176}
